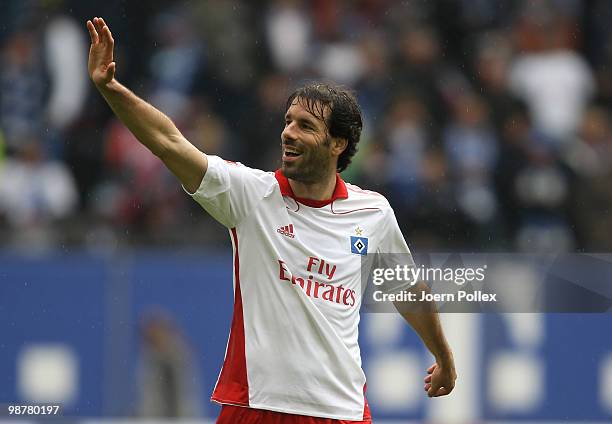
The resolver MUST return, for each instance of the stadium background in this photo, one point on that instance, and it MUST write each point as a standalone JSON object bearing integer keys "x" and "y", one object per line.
{"x": 487, "y": 125}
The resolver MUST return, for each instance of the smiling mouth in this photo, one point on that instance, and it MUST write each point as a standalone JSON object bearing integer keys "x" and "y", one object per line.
{"x": 290, "y": 153}
{"x": 289, "y": 157}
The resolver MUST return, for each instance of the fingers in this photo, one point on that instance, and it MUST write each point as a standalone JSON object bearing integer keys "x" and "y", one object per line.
{"x": 102, "y": 30}
{"x": 108, "y": 37}
{"x": 432, "y": 391}
{"x": 428, "y": 378}
{"x": 98, "y": 24}
{"x": 434, "y": 387}
{"x": 437, "y": 383}
{"x": 93, "y": 34}
{"x": 442, "y": 391}
{"x": 106, "y": 34}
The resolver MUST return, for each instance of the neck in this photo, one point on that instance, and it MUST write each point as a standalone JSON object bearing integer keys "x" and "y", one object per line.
{"x": 321, "y": 190}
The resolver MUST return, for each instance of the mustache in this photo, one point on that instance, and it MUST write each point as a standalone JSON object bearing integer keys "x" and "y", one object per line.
{"x": 289, "y": 142}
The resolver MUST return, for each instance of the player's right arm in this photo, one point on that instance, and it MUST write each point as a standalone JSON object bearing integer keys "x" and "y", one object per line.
{"x": 150, "y": 126}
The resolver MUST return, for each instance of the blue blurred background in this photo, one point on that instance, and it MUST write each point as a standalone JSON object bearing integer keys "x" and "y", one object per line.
{"x": 487, "y": 125}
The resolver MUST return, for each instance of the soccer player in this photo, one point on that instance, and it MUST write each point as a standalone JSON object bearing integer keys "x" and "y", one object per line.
{"x": 298, "y": 236}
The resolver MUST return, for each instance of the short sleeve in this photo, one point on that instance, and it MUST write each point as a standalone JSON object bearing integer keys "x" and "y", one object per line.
{"x": 230, "y": 190}
{"x": 393, "y": 251}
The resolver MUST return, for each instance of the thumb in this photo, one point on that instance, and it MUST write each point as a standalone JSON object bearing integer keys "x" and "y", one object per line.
{"x": 110, "y": 71}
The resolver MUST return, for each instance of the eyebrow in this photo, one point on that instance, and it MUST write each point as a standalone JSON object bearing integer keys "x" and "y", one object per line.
{"x": 306, "y": 120}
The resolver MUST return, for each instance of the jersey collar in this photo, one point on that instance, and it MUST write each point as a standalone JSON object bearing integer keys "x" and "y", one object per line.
{"x": 340, "y": 191}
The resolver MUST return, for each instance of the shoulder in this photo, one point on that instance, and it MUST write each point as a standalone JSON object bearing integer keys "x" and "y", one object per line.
{"x": 238, "y": 169}
{"x": 363, "y": 201}
{"x": 369, "y": 197}
{"x": 233, "y": 165}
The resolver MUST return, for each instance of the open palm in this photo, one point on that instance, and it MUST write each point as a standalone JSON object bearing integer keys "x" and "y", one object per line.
{"x": 100, "y": 65}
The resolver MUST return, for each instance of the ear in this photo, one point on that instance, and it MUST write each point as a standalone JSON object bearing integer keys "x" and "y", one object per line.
{"x": 339, "y": 145}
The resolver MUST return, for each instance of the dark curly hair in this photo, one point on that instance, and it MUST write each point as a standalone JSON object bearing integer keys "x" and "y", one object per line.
{"x": 344, "y": 120}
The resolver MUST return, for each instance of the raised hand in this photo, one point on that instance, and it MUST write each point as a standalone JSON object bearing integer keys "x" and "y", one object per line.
{"x": 440, "y": 380}
{"x": 100, "y": 65}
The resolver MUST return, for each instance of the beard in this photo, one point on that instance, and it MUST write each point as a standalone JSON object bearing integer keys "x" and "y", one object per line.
{"x": 311, "y": 166}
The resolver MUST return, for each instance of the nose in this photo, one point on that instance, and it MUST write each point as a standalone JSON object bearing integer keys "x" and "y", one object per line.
{"x": 289, "y": 132}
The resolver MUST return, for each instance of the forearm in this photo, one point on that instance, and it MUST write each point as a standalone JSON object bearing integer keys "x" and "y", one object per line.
{"x": 158, "y": 133}
{"x": 150, "y": 126}
{"x": 425, "y": 321}
{"x": 427, "y": 326}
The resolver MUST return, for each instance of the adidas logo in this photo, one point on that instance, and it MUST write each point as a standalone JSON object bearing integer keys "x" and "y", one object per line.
{"x": 287, "y": 230}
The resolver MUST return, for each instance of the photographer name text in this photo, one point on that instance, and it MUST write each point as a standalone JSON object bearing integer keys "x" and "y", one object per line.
{"x": 460, "y": 296}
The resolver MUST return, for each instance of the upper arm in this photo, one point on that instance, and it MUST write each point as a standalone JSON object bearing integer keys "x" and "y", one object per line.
{"x": 186, "y": 162}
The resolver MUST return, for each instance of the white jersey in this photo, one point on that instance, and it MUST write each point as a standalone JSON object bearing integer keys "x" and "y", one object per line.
{"x": 297, "y": 290}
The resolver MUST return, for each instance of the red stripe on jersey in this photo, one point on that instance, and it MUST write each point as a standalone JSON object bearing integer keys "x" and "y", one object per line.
{"x": 291, "y": 228}
{"x": 367, "y": 416}
{"x": 353, "y": 210}
{"x": 233, "y": 387}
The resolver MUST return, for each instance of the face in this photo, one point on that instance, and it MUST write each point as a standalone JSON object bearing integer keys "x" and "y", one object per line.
{"x": 307, "y": 148}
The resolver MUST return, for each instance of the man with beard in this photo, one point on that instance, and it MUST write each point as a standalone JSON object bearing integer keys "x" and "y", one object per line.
{"x": 299, "y": 236}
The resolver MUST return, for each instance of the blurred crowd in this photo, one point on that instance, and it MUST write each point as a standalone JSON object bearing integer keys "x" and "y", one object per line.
{"x": 487, "y": 123}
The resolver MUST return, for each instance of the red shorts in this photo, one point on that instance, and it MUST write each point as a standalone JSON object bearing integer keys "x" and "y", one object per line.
{"x": 242, "y": 415}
